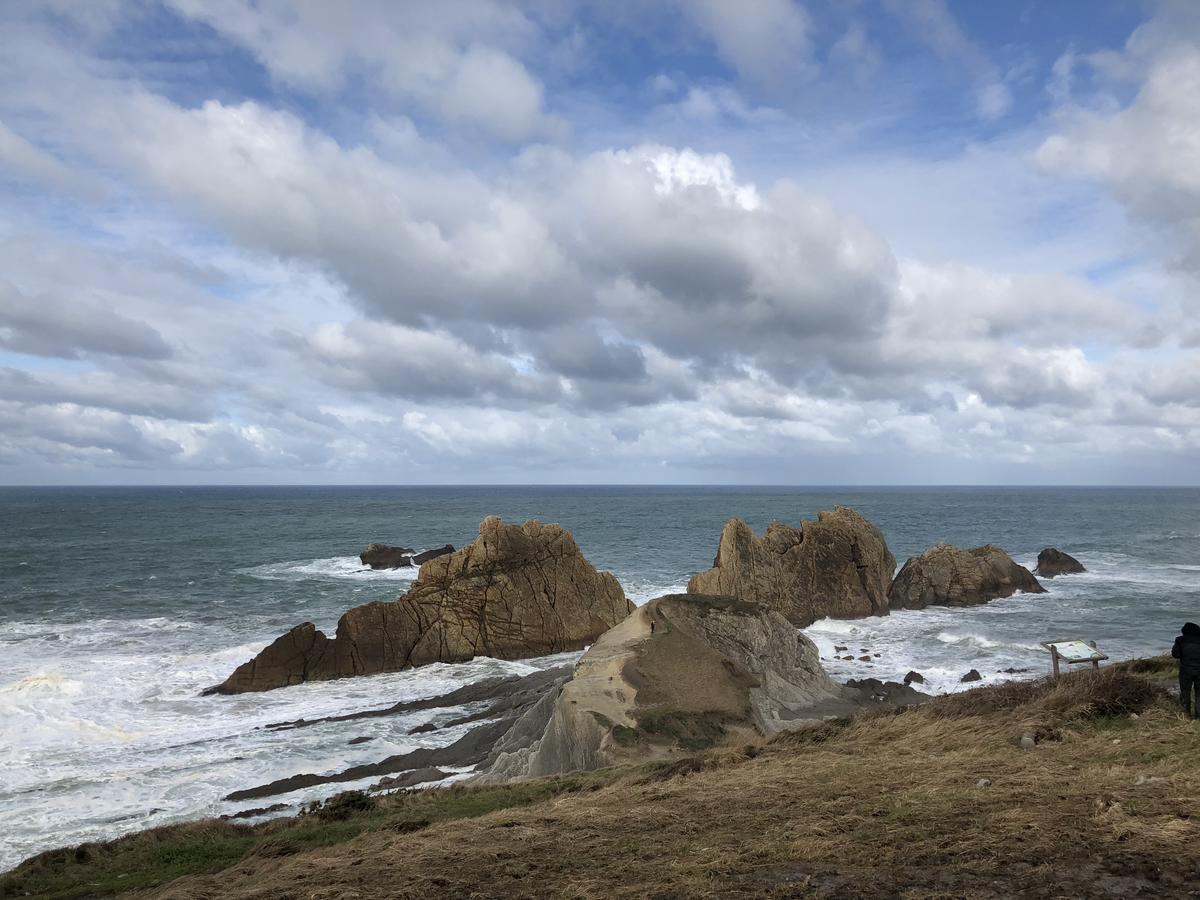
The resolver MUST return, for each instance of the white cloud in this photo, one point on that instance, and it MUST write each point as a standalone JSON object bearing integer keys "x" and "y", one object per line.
{"x": 453, "y": 59}
{"x": 766, "y": 41}
{"x": 1148, "y": 149}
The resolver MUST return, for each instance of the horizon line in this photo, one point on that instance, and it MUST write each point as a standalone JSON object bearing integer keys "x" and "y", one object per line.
{"x": 602, "y": 484}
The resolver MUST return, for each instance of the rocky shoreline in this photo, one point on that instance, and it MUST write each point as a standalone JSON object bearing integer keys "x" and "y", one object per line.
{"x": 723, "y": 664}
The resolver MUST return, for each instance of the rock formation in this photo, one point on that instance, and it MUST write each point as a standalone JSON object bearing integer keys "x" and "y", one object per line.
{"x": 425, "y": 556}
{"x": 713, "y": 670}
{"x": 385, "y": 556}
{"x": 516, "y": 591}
{"x": 951, "y": 576}
{"x": 837, "y": 566}
{"x": 1052, "y": 562}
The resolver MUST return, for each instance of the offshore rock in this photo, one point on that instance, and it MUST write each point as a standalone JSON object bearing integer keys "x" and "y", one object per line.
{"x": 514, "y": 592}
{"x": 385, "y": 556}
{"x": 1052, "y": 562}
{"x": 837, "y": 566}
{"x": 425, "y": 556}
{"x": 713, "y": 671}
{"x": 945, "y": 575}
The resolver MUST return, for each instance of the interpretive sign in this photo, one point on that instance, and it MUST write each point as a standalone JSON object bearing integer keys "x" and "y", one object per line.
{"x": 1073, "y": 651}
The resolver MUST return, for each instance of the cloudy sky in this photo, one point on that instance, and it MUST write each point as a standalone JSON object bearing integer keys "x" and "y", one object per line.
{"x": 779, "y": 241}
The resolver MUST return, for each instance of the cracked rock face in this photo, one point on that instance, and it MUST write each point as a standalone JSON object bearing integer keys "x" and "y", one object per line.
{"x": 945, "y": 575}
{"x": 837, "y": 566}
{"x": 516, "y": 591}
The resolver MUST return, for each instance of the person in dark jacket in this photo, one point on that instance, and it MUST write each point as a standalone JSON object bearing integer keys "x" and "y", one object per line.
{"x": 1187, "y": 651}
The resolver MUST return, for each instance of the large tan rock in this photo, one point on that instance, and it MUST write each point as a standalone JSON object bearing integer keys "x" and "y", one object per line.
{"x": 945, "y": 575}
{"x": 837, "y": 566}
{"x": 516, "y": 591}
{"x": 711, "y": 671}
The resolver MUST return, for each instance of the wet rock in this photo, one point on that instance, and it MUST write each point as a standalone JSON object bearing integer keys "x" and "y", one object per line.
{"x": 423, "y": 729}
{"x": 1052, "y": 562}
{"x": 426, "y": 555}
{"x": 513, "y": 698}
{"x": 385, "y": 556}
{"x": 360, "y": 740}
{"x": 410, "y": 779}
{"x": 864, "y": 659}
{"x": 256, "y": 811}
{"x": 914, "y": 678}
{"x": 951, "y": 576}
{"x": 837, "y": 566}
{"x": 837, "y": 649}
{"x": 973, "y": 675}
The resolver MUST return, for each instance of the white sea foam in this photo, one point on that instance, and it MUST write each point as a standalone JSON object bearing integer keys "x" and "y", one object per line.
{"x": 105, "y": 732}
{"x": 332, "y": 567}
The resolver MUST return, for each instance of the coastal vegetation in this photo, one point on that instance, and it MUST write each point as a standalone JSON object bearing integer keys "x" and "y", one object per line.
{"x": 1083, "y": 787}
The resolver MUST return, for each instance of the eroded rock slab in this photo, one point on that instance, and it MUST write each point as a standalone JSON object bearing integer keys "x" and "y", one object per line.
{"x": 945, "y": 575}
{"x": 516, "y": 591}
{"x": 510, "y": 700}
{"x": 837, "y": 566}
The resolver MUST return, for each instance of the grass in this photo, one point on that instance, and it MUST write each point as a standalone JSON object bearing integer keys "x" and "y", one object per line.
{"x": 937, "y": 802}
{"x": 154, "y": 857}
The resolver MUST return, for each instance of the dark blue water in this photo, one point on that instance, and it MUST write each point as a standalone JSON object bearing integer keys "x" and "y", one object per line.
{"x": 118, "y": 604}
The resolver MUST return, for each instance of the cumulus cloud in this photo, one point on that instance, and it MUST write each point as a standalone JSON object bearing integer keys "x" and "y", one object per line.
{"x": 377, "y": 293}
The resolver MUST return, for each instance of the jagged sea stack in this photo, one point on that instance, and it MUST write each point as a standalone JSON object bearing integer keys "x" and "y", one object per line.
{"x": 516, "y": 591}
{"x": 837, "y": 566}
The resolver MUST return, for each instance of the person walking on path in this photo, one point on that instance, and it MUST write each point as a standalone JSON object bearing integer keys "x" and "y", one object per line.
{"x": 1187, "y": 651}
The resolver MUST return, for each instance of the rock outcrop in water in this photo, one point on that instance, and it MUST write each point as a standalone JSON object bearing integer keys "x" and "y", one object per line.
{"x": 713, "y": 670}
{"x": 945, "y": 575}
{"x": 1052, "y": 562}
{"x": 837, "y": 566}
{"x": 425, "y": 556}
{"x": 516, "y": 591}
{"x": 385, "y": 556}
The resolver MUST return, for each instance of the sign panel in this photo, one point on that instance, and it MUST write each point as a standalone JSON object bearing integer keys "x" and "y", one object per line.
{"x": 1076, "y": 651}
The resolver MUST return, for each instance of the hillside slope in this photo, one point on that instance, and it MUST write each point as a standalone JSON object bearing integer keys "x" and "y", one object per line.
{"x": 940, "y": 801}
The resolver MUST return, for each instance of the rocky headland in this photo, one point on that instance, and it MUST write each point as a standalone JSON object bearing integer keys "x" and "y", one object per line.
{"x": 945, "y": 575}
{"x": 516, "y": 591}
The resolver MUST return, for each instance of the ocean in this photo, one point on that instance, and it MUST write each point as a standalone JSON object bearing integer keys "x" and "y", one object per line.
{"x": 119, "y": 605}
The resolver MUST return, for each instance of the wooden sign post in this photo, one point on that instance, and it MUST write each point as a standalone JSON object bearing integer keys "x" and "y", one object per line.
{"x": 1072, "y": 652}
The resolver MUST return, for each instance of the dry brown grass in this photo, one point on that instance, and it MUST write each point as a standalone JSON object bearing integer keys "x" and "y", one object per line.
{"x": 881, "y": 806}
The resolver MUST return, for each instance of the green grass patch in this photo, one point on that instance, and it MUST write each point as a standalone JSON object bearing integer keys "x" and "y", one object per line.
{"x": 691, "y": 731}
{"x": 151, "y": 858}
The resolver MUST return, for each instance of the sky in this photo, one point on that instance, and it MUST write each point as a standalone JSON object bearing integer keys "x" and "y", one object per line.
{"x": 622, "y": 241}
